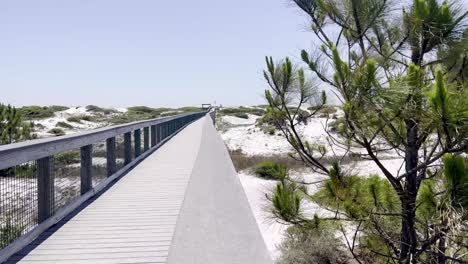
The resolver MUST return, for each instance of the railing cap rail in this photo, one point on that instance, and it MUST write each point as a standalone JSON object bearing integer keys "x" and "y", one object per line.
{"x": 21, "y": 152}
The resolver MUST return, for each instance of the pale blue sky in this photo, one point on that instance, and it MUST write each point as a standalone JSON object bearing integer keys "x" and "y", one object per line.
{"x": 143, "y": 52}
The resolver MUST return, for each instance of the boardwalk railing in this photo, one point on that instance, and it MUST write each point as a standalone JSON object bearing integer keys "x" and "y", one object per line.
{"x": 42, "y": 181}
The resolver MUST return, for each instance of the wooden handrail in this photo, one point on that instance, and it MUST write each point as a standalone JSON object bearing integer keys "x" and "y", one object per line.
{"x": 21, "y": 152}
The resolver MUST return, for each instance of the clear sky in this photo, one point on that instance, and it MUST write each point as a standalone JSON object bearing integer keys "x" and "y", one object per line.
{"x": 143, "y": 52}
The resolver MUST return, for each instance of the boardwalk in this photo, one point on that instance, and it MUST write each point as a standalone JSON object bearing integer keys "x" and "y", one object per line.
{"x": 182, "y": 204}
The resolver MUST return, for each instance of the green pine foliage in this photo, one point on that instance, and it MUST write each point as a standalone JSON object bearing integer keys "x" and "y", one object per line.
{"x": 401, "y": 81}
{"x": 12, "y": 126}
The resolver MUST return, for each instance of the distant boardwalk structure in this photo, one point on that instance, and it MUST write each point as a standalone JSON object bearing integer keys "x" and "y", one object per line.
{"x": 174, "y": 199}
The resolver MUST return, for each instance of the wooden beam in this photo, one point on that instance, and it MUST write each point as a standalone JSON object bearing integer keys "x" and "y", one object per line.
{"x": 146, "y": 139}
{"x": 111, "y": 156}
{"x": 45, "y": 188}
{"x": 86, "y": 168}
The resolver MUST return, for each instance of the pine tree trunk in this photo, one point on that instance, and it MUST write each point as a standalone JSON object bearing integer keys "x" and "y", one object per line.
{"x": 408, "y": 237}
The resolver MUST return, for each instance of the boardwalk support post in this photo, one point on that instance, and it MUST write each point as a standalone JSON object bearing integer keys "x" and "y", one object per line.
{"x": 110, "y": 151}
{"x": 146, "y": 139}
{"x": 128, "y": 147}
{"x": 86, "y": 168}
{"x": 137, "y": 140}
{"x": 158, "y": 133}
{"x": 45, "y": 188}
{"x": 153, "y": 135}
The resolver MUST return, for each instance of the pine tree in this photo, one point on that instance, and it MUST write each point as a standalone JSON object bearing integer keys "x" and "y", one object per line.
{"x": 12, "y": 127}
{"x": 402, "y": 86}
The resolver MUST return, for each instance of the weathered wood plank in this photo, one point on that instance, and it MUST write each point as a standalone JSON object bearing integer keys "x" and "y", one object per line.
{"x": 111, "y": 156}
{"x": 146, "y": 139}
{"x": 137, "y": 142}
{"x": 127, "y": 148}
{"x": 86, "y": 168}
{"x": 45, "y": 188}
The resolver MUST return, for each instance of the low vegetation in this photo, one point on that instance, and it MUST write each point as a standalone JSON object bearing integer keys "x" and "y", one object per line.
{"x": 74, "y": 119}
{"x": 58, "y": 108}
{"x": 64, "y": 125}
{"x": 67, "y": 158}
{"x": 97, "y": 109}
{"x": 242, "y": 161}
{"x": 56, "y": 131}
{"x": 311, "y": 246}
{"x": 242, "y": 110}
{"x": 40, "y": 112}
{"x": 241, "y": 115}
{"x": 269, "y": 170}
{"x": 36, "y": 112}
{"x": 9, "y": 232}
{"x": 138, "y": 113}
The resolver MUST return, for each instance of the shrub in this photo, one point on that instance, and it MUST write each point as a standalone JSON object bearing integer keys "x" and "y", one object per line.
{"x": 66, "y": 158}
{"x": 36, "y": 112}
{"x": 87, "y": 118}
{"x": 271, "y": 131}
{"x": 64, "y": 125}
{"x": 58, "y": 108}
{"x": 270, "y": 170}
{"x": 324, "y": 111}
{"x": 241, "y": 115}
{"x": 56, "y": 131}
{"x": 97, "y": 109}
{"x": 337, "y": 125}
{"x": 74, "y": 119}
{"x": 244, "y": 110}
{"x": 39, "y": 126}
{"x": 148, "y": 110}
{"x": 9, "y": 232}
{"x": 171, "y": 113}
{"x": 311, "y": 246}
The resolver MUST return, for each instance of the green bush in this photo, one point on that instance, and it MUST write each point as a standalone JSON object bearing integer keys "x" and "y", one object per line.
{"x": 78, "y": 119}
{"x": 148, "y": 110}
{"x": 271, "y": 131}
{"x": 97, "y": 109}
{"x": 64, "y": 125}
{"x": 241, "y": 115}
{"x": 270, "y": 170}
{"x": 324, "y": 111}
{"x": 337, "y": 125}
{"x": 311, "y": 246}
{"x": 242, "y": 110}
{"x": 67, "y": 158}
{"x": 36, "y": 112}
{"x": 88, "y": 118}
{"x": 58, "y": 108}
{"x": 56, "y": 131}
{"x": 171, "y": 113}
{"x": 9, "y": 233}
{"x": 74, "y": 119}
